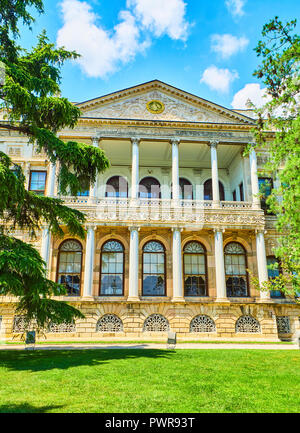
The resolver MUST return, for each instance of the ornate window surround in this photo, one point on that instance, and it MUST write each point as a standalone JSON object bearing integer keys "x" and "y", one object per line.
{"x": 123, "y": 263}
{"x": 246, "y": 266}
{"x": 204, "y": 252}
{"x": 163, "y": 250}
{"x": 58, "y": 260}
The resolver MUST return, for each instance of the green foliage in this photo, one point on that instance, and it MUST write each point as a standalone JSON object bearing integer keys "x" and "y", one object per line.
{"x": 280, "y": 52}
{"x": 29, "y": 93}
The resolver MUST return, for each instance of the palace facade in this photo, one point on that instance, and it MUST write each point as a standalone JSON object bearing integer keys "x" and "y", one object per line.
{"x": 174, "y": 227}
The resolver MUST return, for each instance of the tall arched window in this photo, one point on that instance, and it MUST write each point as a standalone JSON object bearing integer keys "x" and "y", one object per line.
{"x": 112, "y": 269}
{"x": 273, "y": 273}
{"x": 154, "y": 272}
{"x": 235, "y": 270}
{"x": 116, "y": 186}
{"x": 69, "y": 266}
{"x": 195, "y": 278}
{"x": 208, "y": 195}
{"x": 185, "y": 189}
{"x": 149, "y": 188}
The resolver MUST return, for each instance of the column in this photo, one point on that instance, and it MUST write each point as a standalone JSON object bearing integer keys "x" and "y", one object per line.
{"x": 52, "y": 180}
{"x": 89, "y": 262}
{"x": 93, "y": 188}
{"x": 261, "y": 262}
{"x": 254, "y": 180}
{"x": 219, "y": 265}
{"x": 214, "y": 173}
{"x": 177, "y": 266}
{"x": 27, "y": 174}
{"x": 45, "y": 248}
{"x": 134, "y": 265}
{"x": 175, "y": 170}
{"x": 135, "y": 168}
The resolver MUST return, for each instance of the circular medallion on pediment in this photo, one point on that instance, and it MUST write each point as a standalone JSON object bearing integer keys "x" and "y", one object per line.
{"x": 155, "y": 107}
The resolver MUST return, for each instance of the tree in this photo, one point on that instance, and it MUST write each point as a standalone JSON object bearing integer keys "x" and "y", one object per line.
{"x": 29, "y": 89}
{"x": 280, "y": 53}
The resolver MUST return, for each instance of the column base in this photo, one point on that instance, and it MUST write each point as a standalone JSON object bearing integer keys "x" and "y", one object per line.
{"x": 222, "y": 300}
{"x": 178, "y": 299}
{"x": 87, "y": 298}
{"x": 133, "y": 299}
{"x": 216, "y": 204}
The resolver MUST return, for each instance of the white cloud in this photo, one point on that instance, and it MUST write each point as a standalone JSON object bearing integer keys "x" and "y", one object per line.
{"x": 251, "y": 92}
{"x": 235, "y": 7}
{"x": 218, "y": 79}
{"x": 162, "y": 17}
{"x": 228, "y": 45}
{"x": 102, "y": 51}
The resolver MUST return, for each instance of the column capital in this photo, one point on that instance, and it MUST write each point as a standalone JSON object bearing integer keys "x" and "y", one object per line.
{"x": 95, "y": 141}
{"x": 175, "y": 141}
{"x": 213, "y": 144}
{"x": 260, "y": 230}
{"x": 180, "y": 229}
{"x": 131, "y": 228}
{"x": 219, "y": 229}
{"x": 89, "y": 226}
{"x": 135, "y": 140}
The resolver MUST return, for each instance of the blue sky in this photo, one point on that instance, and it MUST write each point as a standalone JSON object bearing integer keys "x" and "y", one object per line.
{"x": 203, "y": 47}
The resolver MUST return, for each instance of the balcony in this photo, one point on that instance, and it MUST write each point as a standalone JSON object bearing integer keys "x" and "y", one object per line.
{"x": 168, "y": 212}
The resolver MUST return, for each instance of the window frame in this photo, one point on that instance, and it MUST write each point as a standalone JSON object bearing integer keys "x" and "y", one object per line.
{"x": 263, "y": 199}
{"x": 221, "y": 190}
{"x": 240, "y": 275}
{"x": 58, "y": 263}
{"x": 165, "y": 269}
{"x": 116, "y": 197}
{"x": 149, "y": 198}
{"x": 206, "y": 271}
{"x": 38, "y": 191}
{"x": 105, "y": 273}
{"x": 270, "y": 278}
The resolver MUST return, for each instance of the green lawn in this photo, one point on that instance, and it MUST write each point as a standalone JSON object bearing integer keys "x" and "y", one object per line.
{"x": 131, "y": 380}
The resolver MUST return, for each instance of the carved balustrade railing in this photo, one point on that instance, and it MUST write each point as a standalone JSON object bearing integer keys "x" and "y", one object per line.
{"x": 167, "y": 211}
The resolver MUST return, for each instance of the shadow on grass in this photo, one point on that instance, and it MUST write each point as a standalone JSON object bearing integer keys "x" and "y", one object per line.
{"x": 26, "y": 408}
{"x": 43, "y": 360}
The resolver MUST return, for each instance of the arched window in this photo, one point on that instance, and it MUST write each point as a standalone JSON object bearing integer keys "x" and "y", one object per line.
{"x": 117, "y": 186}
{"x": 235, "y": 270}
{"x": 208, "y": 195}
{"x": 273, "y": 273}
{"x": 247, "y": 324}
{"x": 156, "y": 323}
{"x": 109, "y": 323}
{"x": 112, "y": 269}
{"x": 62, "y": 327}
{"x": 149, "y": 188}
{"x": 154, "y": 273}
{"x": 195, "y": 279}
{"x": 69, "y": 266}
{"x": 202, "y": 323}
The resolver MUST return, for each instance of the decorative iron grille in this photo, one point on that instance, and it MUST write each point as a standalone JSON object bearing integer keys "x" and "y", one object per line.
{"x": 19, "y": 324}
{"x": 62, "y": 327}
{"x": 109, "y": 323}
{"x": 156, "y": 323}
{"x": 202, "y": 323}
{"x": 283, "y": 324}
{"x": 247, "y": 324}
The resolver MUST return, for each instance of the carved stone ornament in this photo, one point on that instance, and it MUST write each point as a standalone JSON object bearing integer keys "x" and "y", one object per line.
{"x": 155, "y": 107}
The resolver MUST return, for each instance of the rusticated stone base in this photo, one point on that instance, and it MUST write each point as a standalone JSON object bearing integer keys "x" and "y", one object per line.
{"x": 127, "y": 321}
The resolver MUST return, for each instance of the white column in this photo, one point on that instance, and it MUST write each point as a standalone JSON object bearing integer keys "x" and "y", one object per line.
{"x": 93, "y": 188}
{"x": 262, "y": 266}
{"x": 45, "y": 248}
{"x": 254, "y": 180}
{"x": 219, "y": 265}
{"x": 89, "y": 262}
{"x": 214, "y": 173}
{"x": 135, "y": 168}
{"x": 178, "y": 295}
{"x": 134, "y": 265}
{"x": 175, "y": 169}
{"x": 27, "y": 174}
{"x": 52, "y": 180}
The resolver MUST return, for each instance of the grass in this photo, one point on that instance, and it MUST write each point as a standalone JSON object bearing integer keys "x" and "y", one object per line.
{"x": 41, "y": 343}
{"x": 146, "y": 380}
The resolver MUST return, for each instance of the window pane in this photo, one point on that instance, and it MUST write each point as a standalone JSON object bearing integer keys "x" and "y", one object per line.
{"x": 112, "y": 284}
{"x": 38, "y": 181}
{"x": 153, "y": 285}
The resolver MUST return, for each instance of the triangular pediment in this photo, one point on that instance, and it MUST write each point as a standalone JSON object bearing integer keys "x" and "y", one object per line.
{"x": 171, "y": 104}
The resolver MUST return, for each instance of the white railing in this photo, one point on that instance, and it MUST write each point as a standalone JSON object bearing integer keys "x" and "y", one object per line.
{"x": 155, "y": 210}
